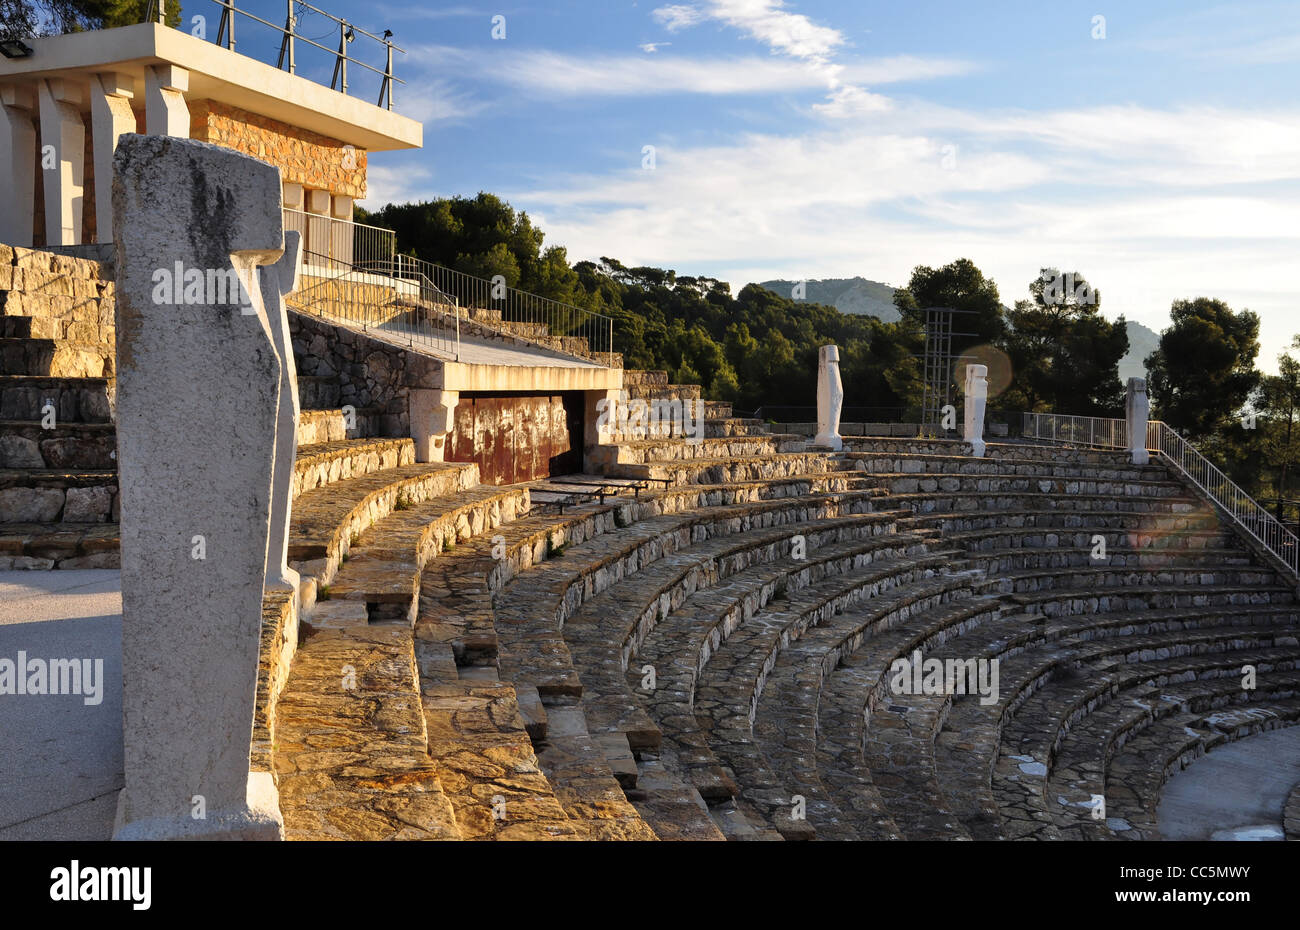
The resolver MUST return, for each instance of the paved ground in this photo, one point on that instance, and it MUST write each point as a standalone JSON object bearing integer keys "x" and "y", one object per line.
{"x": 61, "y": 759}
{"x": 475, "y": 350}
{"x": 1236, "y": 792}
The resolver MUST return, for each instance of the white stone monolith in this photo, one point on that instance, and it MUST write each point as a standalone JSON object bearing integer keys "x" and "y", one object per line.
{"x": 1137, "y": 411}
{"x": 830, "y": 398}
{"x": 433, "y": 416}
{"x": 977, "y": 394}
{"x": 198, "y": 385}
{"x": 278, "y": 280}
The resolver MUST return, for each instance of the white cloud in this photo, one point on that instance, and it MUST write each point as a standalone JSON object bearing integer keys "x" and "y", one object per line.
{"x": 403, "y": 183}
{"x": 652, "y": 47}
{"x": 1151, "y": 205}
{"x": 785, "y": 33}
{"x": 677, "y": 16}
{"x": 555, "y": 74}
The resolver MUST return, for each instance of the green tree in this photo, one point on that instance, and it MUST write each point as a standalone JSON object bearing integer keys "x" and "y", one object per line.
{"x": 959, "y": 285}
{"x": 1203, "y": 373}
{"x": 1278, "y": 405}
{"x": 1064, "y": 354}
{"x": 32, "y": 18}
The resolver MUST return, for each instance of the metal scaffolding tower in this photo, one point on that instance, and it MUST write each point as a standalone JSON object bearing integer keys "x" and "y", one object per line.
{"x": 938, "y": 363}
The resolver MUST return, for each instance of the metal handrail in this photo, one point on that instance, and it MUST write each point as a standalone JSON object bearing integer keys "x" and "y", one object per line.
{"x": 289, "y": 35}
{"x": 1247, "y": 513}
{"x": 495, "y": 305}
{"x": 340, "y": 247}
{"x": 376, "y": 302}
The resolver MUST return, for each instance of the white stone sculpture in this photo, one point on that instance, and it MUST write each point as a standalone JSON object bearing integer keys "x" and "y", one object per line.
{"x": 198, "y": 397}
{"x": 977, "y": 393}
{"x": 830, "y": 398}
{"x": 276, "y": 281}
{"x": 1137, "y": 411}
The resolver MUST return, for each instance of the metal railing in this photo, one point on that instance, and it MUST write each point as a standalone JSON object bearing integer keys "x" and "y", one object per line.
{"x": 289, "y": 36}
{"x": 341, "y": 245}
{"x": 356, "y": 259}
{"x": 495, "y": 305}
{"x": 1240, "y": 507}
{"x": 410, "y": 310}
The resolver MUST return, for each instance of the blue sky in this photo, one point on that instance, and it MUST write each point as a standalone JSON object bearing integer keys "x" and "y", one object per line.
{"x": 811, "y": 139}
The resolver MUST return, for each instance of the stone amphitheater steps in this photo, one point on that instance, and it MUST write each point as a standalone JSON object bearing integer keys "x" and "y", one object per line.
{"x": 382, "y": 569}
{"x": 1138, "y": 773}
{"x": 55, "y": 358}
{"x": 822, "y": 760}
{"x": 1032, "y": 654}
{"x": 324, "y": 520}
{"x": 26, "y": 444}
{"x": 532, "y": 612}
{"x": 351, "y": 756}
{"x": 45, "y": 546}
{"x": 917, "y": 465}
{"x": 606, "y": 631}
{"x": 728, "y": 470}
{"x": 75, "y": 400}
{"x": 319, "y": 464}
{"x": 1134, "y": 698}
{"x": 1004, "y": 483}
{"x": 732, "y": 683}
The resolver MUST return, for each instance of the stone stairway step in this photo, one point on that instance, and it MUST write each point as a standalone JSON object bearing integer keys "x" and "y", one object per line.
{"x": 925, "y": 502}
{"x": 1096, "y": 578}
{"x": 963, "y": 527}
{"x": 1139, "y": 772}
{"x": 324, "y": 521}
{"x": 320, "y": 464}
{"x": 973, "y": 730}
{"x": 54, "y": 358}
{"x": 1009, "y": 562}
{"x": 70, "y": 445}
{"x": 1078, "y": 761}
{"x": 479, "y": 742}
{"x": 74, "y": 400}
{"x": 45, "y": 546}
{"x": 352, "y": 757}
{"x": 727, "y": 470}
{"x": 608, "y": 629}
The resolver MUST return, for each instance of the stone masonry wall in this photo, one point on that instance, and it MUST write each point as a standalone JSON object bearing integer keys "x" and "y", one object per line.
{"x": 303, "y": 157}
{"x": 373, "y": 376}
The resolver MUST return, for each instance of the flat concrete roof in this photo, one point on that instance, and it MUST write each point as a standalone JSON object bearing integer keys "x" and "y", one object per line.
{"x": 216, "y": 73}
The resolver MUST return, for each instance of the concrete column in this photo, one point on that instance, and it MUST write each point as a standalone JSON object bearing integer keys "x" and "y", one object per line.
{"x": 977, "y": 394}
{"x": 110, "y": 116}
{"x": 1137, "y": 412}
{"x": 432, "y": 418}
{"x": 17, "y": 165}
{"x": 63, "y": 159}
{"x": 195, "y": 470}
{"x": 830, "y": 398}
{"x": 293, "y": 196}
{"x": 165, "y": 112}
{"x": 343, "y": 246}
{"x": 277, "y": 281}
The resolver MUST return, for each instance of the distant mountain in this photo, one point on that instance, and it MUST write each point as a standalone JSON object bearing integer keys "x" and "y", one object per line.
{"x": 1142, "y": 341}
{"x": 847, "y": 295}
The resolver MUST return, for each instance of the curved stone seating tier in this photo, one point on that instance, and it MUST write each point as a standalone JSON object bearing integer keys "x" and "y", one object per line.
{"x": 327, "y": 462}
{"x": 1017, "y": 451}
{"x": 643, "y": 451}
{"x": 1031, "y": 655}
{"x": 909, "y": 463}
{"x": 729, "y": 470}
{"x": 1108, "y": 712}
{"x": 927, "y": 502}
{"x": 1138, "y": 773}
{"x": 1001, "y": 484}
{"x": 57, "y": 495}
{"x": 1039, "y": 580}
{"x": 324, "y": 520}
{"x": 608, "y": 630}
{"x": 1031, "y": 540}
{"x": 997, "y": 562}
{"x": 1148, "y": 528}
{"x": 726, "y": 427}
{"x": 531, "y": 613}
{"x": 382, "y": 571}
